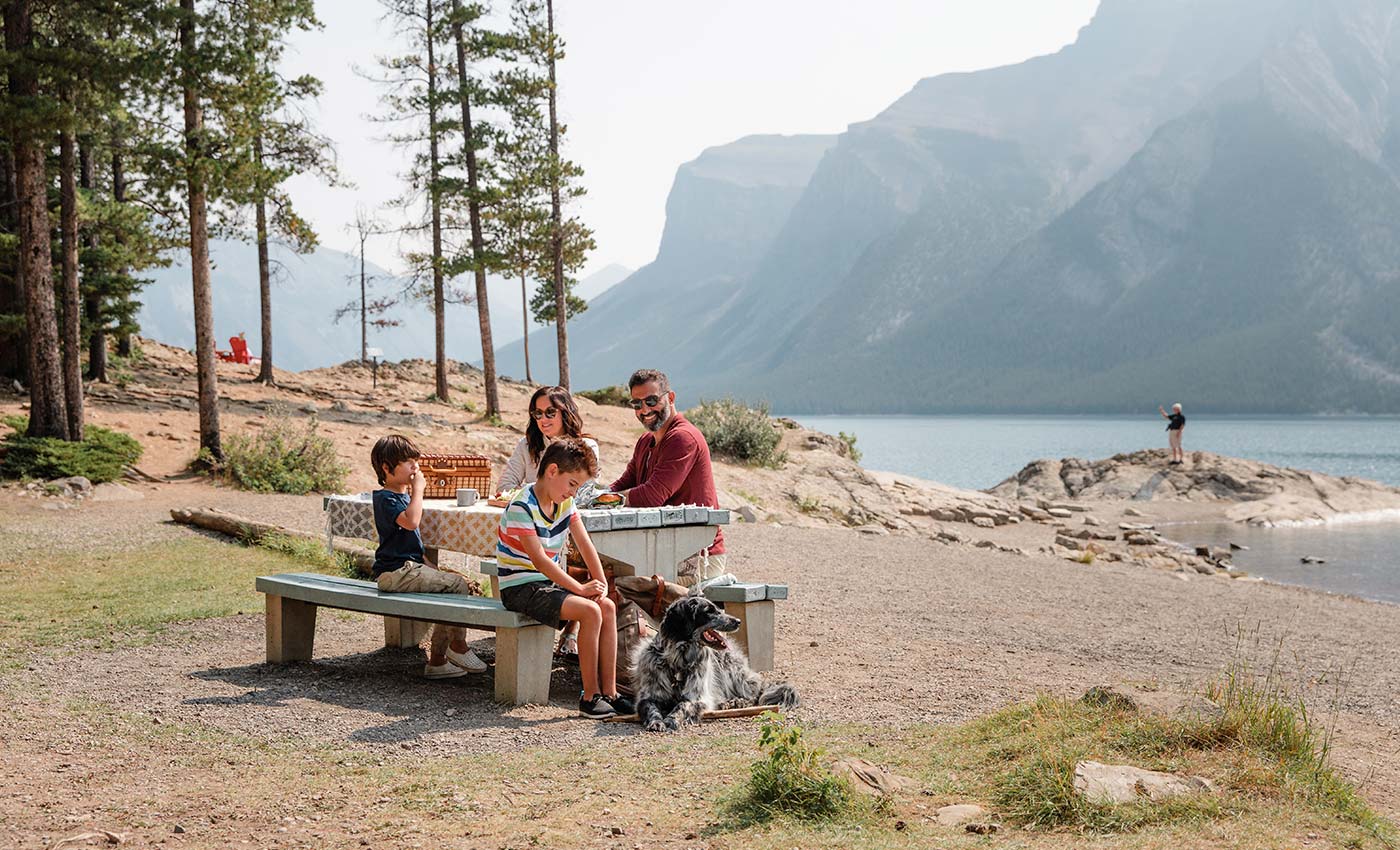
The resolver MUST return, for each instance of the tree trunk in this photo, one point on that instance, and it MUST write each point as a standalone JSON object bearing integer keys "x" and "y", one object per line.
{"x": 264, "y": 276}
{"x": 92, "y": 301}
{"x": 525, "y": 321}
{"x": 483, "y": 312}
{"x": 364, "y": 309}
{"x": 13, "y": 365}
{"x": 119, "y": 195}
{"x": 556, "y": 221}
{"x": 72, "y": 302}
{"x": 199, "y": 241}
{"x": 48, "y": 414}
{"x": 435, "y": 196}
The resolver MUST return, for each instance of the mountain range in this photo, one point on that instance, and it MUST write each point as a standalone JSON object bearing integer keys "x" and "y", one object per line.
{"x": 1196, "y": 200}
{"x": 306, "y": 292}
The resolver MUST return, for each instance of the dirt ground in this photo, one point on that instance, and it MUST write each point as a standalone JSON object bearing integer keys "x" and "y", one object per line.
{"x": 881, "y": 630}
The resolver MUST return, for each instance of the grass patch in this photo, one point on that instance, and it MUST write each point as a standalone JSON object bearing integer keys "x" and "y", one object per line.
{"x": 310, "y": 553}
{"x": 123, "y": 598}
{"x": 808, "y": 505}
{"x": 789, "y": 780}
{"x": 99, "y": 457}
{"x": 614, "y": 396}
{"x": 735, "y": 430}
{"x": 284, "y": 457}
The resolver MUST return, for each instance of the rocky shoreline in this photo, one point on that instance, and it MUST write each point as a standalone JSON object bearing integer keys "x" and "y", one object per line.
{"x": 1255, "y": 493}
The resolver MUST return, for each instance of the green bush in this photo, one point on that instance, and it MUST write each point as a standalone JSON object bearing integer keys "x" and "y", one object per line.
{"x": 101, "y": 456}
{"x": 284, "y": 457}
{"x": 735, "y": 430}
{"x": 850, "y": 441}
{"x": 616, "y": 396}
{"x": 789, "y": 781}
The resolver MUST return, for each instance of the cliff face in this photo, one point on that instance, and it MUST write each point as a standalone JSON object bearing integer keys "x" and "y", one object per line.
{"x": 724, "y": 210}
{"x": 1197, "y": 198}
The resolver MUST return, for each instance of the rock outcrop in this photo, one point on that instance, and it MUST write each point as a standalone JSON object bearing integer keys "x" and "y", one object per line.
{"x": 1267, "y": 495}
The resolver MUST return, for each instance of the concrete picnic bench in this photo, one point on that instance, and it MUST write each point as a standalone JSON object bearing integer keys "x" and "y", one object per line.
{"x": 524, "y": 647}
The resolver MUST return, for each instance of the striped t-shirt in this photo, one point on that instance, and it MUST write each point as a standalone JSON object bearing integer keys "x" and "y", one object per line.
{"x": 523, "y": 518}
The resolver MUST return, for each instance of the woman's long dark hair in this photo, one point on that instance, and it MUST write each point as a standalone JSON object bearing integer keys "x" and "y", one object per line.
{"x": 564, "y": 403}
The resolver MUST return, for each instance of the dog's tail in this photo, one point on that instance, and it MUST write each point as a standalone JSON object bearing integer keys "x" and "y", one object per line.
{"x": 779, "y": 694}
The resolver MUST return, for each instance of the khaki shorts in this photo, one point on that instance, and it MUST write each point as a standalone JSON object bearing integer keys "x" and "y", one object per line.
{"x": 699, "y": 567}
{"x": 414, "y": 577}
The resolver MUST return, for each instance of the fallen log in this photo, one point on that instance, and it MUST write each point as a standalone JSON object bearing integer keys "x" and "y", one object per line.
{"x": 717, "y": 714}
{"x": 252, "y": 531}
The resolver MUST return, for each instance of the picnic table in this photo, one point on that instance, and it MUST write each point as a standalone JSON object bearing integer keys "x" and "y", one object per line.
{"x": 646, "y": 541}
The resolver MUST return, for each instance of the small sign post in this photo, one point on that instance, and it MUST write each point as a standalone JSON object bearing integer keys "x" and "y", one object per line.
{"x": 375, "y": 354}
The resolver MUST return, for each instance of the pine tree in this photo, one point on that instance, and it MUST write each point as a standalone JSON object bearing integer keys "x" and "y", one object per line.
{"x": 554, "y": 52}
{"x": 416, "y": 93}
{"x": 28, "y": 114}
{"x": 371, "y": 312}
{"x": 280, "y": 140}
{"x": 464, "y": 20}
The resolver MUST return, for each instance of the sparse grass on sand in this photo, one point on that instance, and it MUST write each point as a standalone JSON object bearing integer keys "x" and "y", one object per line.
{"x": 107, "y": 600}
{"x": 736, "y": 787}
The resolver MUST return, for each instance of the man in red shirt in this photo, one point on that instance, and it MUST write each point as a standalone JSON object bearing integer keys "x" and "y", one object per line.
{"x": 670, "y": 466}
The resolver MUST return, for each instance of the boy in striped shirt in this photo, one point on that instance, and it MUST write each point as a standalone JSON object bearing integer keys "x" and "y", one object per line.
{"x": 530, "y": 560}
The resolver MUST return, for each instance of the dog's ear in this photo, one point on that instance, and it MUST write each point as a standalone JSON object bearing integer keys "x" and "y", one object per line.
{"x": 678, "y": 623}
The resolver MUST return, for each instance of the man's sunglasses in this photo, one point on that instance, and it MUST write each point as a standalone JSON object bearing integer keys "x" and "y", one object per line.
{"x": 547, "y": 413}
{"x": 649, "y": 401}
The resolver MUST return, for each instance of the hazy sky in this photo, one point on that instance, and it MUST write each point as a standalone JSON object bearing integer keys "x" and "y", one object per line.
{"x": 648, "y": 84}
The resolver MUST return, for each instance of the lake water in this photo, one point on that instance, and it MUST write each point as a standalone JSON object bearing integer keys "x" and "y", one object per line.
{"x": 1363, "y": 558}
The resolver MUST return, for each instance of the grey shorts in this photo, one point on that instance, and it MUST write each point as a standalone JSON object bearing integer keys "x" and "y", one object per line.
{"x": 540, "y": 600}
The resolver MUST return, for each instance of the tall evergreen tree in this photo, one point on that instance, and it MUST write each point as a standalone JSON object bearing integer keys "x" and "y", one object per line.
{"x": 554, "y": 52}
{"x": 28, "y": 115}
{"x": 463, "y": 21}
{"x": 281, "y": 141}
{"x": 417, "y": 94}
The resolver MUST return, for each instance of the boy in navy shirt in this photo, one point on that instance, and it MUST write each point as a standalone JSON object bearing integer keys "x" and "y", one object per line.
{"x": 399, "y": 565}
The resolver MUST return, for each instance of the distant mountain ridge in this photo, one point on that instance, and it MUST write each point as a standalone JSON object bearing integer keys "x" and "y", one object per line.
{"x": 1196, "y": 199}
{"x": 307, "y": 290}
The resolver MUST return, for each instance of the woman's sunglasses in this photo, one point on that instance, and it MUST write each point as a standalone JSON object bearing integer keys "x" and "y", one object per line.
{"x": 547, "y": 413}
{"x": 649, "y": 401}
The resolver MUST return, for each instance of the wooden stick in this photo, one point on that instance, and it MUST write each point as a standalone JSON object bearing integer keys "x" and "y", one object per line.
{"x": 247, "y": 529}
{"x": 717, "y": 714}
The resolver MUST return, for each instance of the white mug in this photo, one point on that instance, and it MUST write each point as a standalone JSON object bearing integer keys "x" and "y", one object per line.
{"x": 467, "y": 497}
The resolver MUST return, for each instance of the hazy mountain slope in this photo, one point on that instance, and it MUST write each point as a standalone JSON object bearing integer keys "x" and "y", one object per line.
{"x": 723, "y": 211}
{"x": 306, "y": 291}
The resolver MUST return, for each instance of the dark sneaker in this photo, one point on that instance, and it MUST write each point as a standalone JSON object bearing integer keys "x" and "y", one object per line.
{"x": 597, "y": 708}
{"x": 623, "y": 704}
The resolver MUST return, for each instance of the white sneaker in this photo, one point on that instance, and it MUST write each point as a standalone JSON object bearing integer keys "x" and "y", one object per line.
{"x": 445, "y": 670}
{"x": 468, "y": 661}
{"x": 569, "y": 646}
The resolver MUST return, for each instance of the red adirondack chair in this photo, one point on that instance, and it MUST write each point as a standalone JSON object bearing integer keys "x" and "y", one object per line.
{"x": 239, "y": 354}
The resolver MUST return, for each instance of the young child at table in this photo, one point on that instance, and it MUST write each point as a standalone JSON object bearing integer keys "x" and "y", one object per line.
{"x": 399, "y": 564}
{"x": 530, "y": 561}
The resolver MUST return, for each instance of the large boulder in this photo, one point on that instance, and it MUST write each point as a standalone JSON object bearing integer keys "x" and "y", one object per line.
{"x": 1120, "y": 783}
{"x": 1173, "y": 705}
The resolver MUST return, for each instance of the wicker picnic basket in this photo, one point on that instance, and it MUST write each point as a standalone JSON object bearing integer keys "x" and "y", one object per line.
{"x": 446, "y": 474}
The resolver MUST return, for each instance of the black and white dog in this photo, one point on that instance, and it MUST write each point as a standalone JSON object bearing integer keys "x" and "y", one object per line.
{"x": 688, "y": 667}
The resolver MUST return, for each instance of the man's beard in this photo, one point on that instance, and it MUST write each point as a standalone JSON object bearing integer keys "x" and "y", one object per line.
{"x": 663, "y": 415}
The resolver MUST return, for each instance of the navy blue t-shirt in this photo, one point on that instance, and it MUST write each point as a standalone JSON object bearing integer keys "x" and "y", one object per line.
{"x": 396, "y": 543}
{"x": 1176, "y": 423}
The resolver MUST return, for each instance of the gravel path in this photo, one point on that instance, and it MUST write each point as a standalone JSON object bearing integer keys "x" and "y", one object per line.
{"x": 879, "y": 629}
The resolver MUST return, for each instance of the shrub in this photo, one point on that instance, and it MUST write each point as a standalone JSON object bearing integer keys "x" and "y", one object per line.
{"x": 735, "y": 430}
{"x": 284, "y": 457}
{"x": 788, "y": 780}
{"x": 617, "y": 396}
{"x": 101, "y": 456}
{"x": 850, "y": 441}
